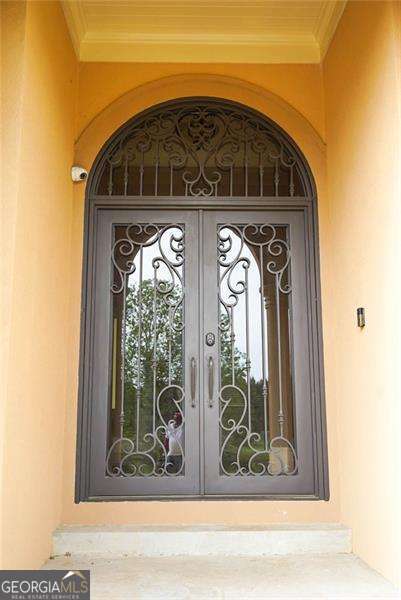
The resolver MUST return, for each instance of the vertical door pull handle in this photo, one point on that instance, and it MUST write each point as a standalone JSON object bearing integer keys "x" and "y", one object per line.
{"x": 211, "y": 380}
{"x": 193, "y": 382}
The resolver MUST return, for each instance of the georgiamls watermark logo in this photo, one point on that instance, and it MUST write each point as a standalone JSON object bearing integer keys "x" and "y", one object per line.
{"x": 45, "y": 585}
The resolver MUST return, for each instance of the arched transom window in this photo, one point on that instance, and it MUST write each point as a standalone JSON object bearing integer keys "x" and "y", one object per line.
{"x": 206, "y": 148}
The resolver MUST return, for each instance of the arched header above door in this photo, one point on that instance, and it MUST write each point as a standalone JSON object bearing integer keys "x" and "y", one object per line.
{"x": 200, "y": 147}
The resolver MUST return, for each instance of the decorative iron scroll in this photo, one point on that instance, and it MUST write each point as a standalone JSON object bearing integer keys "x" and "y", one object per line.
{"x": 151, "y": 323}
{"x": 244, "y": 449}
{"x": 200, "y": 149}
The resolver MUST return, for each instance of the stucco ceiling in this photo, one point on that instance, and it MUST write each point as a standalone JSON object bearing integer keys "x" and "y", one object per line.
{"x": 241, "y": 31}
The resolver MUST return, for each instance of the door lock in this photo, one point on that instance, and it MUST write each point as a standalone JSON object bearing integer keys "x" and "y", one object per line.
{"x": 210, "y": 339}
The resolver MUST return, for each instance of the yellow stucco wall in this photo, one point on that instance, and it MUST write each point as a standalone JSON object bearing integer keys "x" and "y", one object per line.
{"x": 40, "y": 72}
{"x": 363, "y": 123}
{"x": 12, "y": 55}
{"x": 100, "y": 84}
{"x": 360, "y": 257}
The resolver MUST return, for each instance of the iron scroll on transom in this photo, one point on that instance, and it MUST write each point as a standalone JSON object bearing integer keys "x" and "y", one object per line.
{"x": 200, "y": 149}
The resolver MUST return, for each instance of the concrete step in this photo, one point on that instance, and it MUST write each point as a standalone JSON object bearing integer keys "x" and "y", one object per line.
{"x": 302, "y": 577}
{"x": 317, "y": 538}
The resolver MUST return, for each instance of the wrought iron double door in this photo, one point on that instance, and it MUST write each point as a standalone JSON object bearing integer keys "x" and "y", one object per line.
{"x": 201, "y": 379}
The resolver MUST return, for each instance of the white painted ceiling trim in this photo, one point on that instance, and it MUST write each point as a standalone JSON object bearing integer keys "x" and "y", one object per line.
{"x": 326, "y": 26}
{"x": 293, "y": 32}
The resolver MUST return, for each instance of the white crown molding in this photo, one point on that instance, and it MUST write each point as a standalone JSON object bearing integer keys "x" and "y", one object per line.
{"x": 75, "y": 17}
{"x": 201, "y": 38}
{"x": 108, "y": 46}
{"x": 200, "y": 49}
{"x": 326, "y": 25}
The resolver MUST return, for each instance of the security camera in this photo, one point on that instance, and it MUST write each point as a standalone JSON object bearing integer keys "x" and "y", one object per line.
{"x": 78, "y": 173}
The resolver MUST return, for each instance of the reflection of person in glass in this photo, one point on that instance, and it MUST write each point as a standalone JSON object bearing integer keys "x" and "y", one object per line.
{"x": 174, "y": 444}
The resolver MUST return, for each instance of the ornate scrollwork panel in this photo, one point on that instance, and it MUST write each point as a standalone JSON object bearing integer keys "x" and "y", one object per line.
{"x": 147, "y": 420}
{"x": 256, "y": 403}
{"x": 200, "y": 149}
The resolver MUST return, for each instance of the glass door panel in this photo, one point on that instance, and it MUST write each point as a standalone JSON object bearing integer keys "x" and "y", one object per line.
{"x": 255, "y": 395}
{"x": 146, "y": 409}
{"x": 255, "y": 306}
{"x": 147, "y": 420}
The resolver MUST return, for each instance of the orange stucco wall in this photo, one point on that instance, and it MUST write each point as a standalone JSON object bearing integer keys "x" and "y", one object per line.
{"x": 363, "y": 123}
{"x": 40, "y": 77}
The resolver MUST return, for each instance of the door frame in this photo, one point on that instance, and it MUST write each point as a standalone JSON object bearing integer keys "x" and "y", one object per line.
{"x": 308, "y": 207}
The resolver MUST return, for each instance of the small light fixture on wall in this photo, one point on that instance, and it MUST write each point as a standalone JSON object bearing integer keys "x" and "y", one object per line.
{"x": 360, "y": 315}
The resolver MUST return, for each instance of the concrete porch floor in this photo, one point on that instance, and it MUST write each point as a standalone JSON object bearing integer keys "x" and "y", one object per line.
{"x": 328, "y": 576}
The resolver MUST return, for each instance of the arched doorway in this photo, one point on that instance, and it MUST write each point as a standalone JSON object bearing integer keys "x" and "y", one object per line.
{"x": 201, "y": 358}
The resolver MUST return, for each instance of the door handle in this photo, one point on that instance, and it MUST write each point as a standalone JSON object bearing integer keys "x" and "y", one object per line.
{"x": 211, "y": 379}
{"x": 193, "y": 382}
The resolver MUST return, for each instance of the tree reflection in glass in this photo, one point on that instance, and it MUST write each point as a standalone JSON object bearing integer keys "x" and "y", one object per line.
{"x": 256, "y": 404}
{"x": 147, "y": 412}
